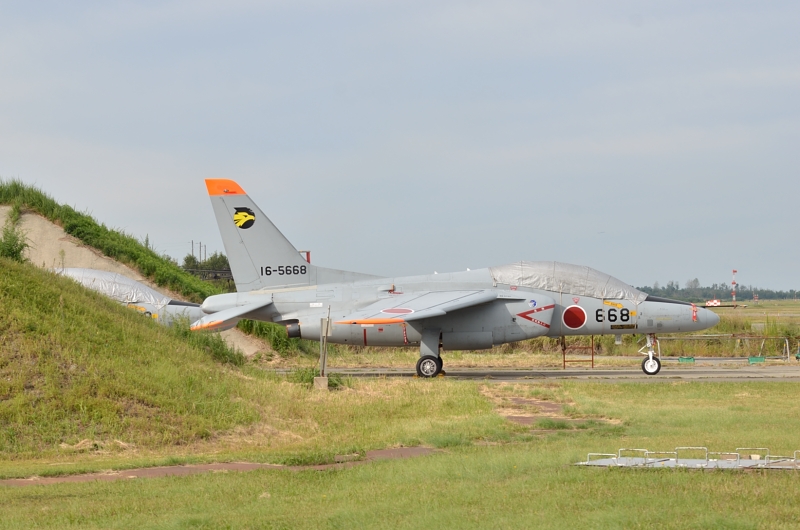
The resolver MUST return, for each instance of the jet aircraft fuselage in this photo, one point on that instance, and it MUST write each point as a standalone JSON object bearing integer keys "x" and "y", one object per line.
{"x": 515, "y": 313}
{"x": 469, "y": 310}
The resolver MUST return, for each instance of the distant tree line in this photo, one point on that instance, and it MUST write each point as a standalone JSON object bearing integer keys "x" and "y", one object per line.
{"x": 215, "y": 262}
{"x": 692, "y": 291}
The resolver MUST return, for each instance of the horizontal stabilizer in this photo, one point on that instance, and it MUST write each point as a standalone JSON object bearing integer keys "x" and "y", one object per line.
{"x": 227, "y": 318}
{"x": 417, "y": 306}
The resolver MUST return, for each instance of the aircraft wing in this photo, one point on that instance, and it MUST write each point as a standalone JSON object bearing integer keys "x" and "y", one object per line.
{"x": 227, "y": 318}
{"x": 416, "y": 306}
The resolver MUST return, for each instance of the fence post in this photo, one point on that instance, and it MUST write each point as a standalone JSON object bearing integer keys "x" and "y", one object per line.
{"x": 321, "y": 382}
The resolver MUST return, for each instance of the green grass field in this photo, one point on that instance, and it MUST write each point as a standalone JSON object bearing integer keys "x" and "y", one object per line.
{"x": 524, "y": 480}
{"x": 86, "y": 386}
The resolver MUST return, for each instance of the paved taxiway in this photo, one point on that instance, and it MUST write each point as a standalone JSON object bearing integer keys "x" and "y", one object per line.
{"x": 668, "y": 374}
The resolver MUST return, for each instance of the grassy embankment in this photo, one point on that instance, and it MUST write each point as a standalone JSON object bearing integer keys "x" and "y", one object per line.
{"x": 114, "y": 244}
{"x": 76, "y": 365}
{"x": 526, "y": 482}
{"x": 130, "y": 251}
{"x": 86, "y": 383}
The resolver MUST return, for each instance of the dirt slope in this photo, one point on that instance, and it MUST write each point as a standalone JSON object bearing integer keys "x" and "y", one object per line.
{"x": 51, "y": 247}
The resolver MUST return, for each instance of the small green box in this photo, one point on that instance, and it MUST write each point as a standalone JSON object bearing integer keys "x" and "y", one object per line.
{"x": 685, "y": 359}
{"x": 754, "y": 360}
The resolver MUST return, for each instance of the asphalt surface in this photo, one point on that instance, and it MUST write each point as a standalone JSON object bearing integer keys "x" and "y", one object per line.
{"x": 669, "y": 373}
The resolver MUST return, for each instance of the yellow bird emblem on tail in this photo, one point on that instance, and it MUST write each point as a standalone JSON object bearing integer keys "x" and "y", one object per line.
{"x": 244, "y": 218}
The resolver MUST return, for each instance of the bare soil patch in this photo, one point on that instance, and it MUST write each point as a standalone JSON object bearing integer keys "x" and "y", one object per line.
{"x": 528, "y": 410}
{"x": 343, "y": 461}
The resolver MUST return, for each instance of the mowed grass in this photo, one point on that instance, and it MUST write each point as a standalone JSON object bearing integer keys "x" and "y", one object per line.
{"x": 298, "y": 425}
{"x": 508, "y": 487}
{"x": 527, "y": 481}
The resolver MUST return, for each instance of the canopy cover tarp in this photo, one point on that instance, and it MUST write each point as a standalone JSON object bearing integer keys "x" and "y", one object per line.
{"x": 565, "y": 278}
{"x": 116, "y": 286}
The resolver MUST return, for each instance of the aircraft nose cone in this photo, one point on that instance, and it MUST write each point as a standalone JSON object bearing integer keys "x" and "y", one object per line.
{"x": 710, "y": 318}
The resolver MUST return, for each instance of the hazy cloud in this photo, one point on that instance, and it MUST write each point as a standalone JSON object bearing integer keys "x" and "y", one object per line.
{"x": 652, "y": 141}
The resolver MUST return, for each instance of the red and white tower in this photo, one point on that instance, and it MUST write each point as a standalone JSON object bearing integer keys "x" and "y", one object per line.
{"x": 733, "y": 285}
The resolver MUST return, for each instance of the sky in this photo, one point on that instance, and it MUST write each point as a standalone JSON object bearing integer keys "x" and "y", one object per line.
{"x": 654, "y": 141}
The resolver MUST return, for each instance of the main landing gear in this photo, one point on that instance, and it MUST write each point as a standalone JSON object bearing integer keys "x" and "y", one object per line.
{"x": 430, "y": 362}
{"x": 429, "y": 366}
{"x": 651, "y": 365}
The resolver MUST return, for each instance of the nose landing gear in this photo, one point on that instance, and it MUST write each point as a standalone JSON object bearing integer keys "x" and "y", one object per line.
{"x": 651, "y": 365}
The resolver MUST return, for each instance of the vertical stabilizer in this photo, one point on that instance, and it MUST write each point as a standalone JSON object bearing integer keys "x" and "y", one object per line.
{"x": 259, "y": 254}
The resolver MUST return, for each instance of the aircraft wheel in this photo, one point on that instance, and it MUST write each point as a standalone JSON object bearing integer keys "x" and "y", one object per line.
{"x": 428, "y": 366}
{"x": 651, "y": 366}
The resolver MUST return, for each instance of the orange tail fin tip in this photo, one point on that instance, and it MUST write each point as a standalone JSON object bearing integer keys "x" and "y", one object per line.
{"x": 223, "y": 187}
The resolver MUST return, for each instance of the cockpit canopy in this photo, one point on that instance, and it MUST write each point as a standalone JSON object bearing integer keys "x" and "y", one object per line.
{"x": 565, "y": 278}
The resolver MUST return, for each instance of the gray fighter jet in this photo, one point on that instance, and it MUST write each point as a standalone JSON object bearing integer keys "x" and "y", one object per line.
{"x": 470, "y": 310}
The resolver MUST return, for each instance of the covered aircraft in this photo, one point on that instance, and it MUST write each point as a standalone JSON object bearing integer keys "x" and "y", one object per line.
{"x": 137, "y": 296}
{"x": 470, "y": 310}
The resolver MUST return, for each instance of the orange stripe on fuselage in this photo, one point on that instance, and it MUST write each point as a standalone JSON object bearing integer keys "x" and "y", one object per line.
{"x": 373, "y": 321}
{"x": 223, "y": 187}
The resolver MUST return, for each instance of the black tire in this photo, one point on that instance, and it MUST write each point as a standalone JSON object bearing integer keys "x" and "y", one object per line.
{"x": 440, "y": 362}
{"x": 647, "y": 366}
{"x": 428, "y": 366}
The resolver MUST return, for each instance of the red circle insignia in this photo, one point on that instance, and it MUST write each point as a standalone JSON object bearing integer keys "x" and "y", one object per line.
{"x": 397, "y": 311}
{"x": 574, "y": 317}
